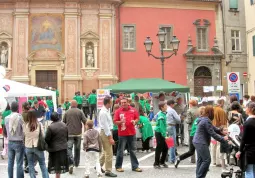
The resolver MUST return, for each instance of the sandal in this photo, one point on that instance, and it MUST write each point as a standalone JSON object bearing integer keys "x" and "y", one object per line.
{"x": 119, "y": 170}
{"x": 137, "y": 170}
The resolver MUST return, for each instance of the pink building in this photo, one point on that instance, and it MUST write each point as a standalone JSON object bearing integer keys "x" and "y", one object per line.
{"x": 198, "y": 61}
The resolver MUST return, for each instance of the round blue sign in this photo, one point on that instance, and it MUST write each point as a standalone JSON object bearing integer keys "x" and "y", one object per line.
{"x": 233, "y": 77}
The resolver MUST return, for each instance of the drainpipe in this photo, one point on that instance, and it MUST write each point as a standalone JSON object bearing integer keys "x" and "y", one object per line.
{"x": 223, "y": 29}
{"x": 119, "y": 50}
{"x": 224, "y": 42}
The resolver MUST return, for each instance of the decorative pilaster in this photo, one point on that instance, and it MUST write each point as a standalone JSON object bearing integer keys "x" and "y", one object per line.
{"x": 107, "y": 63}
{"x": 20, "y": 42}
{"x": 72, "y": 78}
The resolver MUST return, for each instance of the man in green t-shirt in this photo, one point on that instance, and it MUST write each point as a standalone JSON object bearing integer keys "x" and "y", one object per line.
{"x": 92, "y": 103}
{"x": 78, "y": 98}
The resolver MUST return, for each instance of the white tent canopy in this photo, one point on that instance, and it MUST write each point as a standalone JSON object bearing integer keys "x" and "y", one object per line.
{"x": 18, "y": 89}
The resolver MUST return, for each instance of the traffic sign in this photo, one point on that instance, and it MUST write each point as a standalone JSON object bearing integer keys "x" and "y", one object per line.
{"x": 233, "y": 77}
{"x": 233, "y": 82}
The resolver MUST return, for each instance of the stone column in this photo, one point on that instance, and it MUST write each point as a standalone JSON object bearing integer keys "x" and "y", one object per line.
{"x": 20, "y": 42}
{"x": 9, "y": 57}
{"x": 95, "y": 53}
{"x": 72, "y": 78}
{"x": 83, "y": 54}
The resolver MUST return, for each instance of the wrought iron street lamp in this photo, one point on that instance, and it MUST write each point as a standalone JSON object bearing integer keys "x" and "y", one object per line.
{"x": 174, "y": 44}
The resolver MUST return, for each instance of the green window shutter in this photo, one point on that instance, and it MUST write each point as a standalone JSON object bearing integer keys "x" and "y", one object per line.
{"x": 233, "y": 4}
{"x": 253, "y": 43}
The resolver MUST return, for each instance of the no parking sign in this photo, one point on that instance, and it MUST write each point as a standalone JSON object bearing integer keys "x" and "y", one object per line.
{"x": 233, "y": 82}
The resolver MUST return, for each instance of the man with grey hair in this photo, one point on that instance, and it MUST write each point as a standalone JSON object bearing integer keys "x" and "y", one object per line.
{"x": 15, "y": 134}
{"x": 172, "y": 120}
{"x": 74, "y": 118}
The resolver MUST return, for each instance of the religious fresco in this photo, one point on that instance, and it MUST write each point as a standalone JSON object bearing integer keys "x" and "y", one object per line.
{"x": 46, "y": 32}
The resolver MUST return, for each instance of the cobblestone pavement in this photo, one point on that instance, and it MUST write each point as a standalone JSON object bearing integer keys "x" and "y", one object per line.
{"x": 185, "y": 170}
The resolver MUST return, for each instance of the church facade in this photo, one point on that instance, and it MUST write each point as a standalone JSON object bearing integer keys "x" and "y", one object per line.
{"x": 64, "y": 44}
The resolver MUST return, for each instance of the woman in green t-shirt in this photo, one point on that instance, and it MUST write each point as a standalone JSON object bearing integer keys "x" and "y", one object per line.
{"x": 146, "y": 130}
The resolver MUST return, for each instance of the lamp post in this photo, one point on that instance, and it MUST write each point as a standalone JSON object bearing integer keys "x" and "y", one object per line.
{"x": 161, "y": 37}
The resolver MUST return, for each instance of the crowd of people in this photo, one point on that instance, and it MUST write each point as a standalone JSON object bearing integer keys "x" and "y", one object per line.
{"x": 118, "y": 123}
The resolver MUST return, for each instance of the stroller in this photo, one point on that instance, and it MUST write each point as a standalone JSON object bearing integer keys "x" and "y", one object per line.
{"x": 234, "y": 137}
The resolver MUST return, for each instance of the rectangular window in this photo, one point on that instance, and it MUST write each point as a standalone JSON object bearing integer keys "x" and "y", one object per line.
{"x": 236, "y": 42}
{"x": 129, "y": 39}
{"x": 233, "y": 4}
{"x": 202, "y": 38}
{"x": 253, "y": 45}
{"x": 168, "y": 37}
{"x": 252, "y": 2}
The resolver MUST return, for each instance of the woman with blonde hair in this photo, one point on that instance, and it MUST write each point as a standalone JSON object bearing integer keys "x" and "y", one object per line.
{"x": 192, "y": 149}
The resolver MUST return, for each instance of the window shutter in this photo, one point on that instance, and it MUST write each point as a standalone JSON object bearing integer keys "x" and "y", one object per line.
{"x": 233, "y": 4}
{"x": 253, "y": 47}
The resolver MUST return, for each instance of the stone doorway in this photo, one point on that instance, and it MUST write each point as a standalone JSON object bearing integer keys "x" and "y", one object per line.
{"x": 202, "y": 77}
{"x": 47, "y": 78}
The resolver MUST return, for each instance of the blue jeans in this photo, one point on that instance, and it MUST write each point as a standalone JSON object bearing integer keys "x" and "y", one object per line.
{"x": 172, "y": 133}
{"x": 250, "y": 171}
{"x": 16, "y": 149}
{"x": 203, "y": 160}
{"x": 34, "y": 154}
{"x": 131, "y": 142}
{"x": 76, "y": 142}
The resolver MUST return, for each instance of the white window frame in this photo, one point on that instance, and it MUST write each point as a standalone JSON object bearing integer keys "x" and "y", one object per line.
{"x": 235, "y": 39}
{"x": 206, "y": 39}
{"x": 123, "y": 38}
{"x": 167, "y": 41}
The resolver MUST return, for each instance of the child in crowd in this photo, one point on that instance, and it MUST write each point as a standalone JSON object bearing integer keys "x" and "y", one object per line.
{"x": 93, "y": 146}
{"x": 60, "y": 112}
{"x": 160, "y": 134}
{"x": 151, "y": 114}
{"x": 225, "y": 149}
{"x": 146, "y": 131}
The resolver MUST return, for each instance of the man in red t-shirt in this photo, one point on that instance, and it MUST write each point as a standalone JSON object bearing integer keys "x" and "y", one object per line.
{"x": 126, "y": 118}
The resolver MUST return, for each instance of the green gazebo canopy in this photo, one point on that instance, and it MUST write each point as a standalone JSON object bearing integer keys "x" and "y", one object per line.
{"x": 146, "y": 85}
